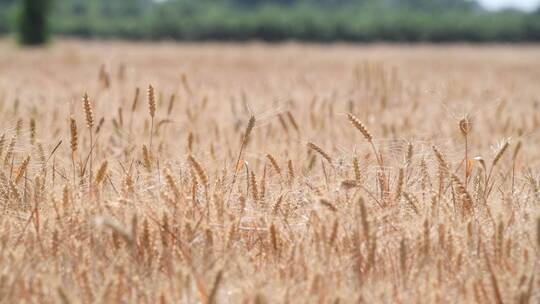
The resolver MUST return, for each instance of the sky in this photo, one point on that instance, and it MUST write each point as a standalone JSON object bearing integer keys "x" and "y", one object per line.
{"x": 520, "y": 4}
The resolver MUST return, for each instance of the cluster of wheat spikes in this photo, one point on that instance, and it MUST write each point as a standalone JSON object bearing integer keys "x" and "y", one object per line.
{"x": 234, "y": 174}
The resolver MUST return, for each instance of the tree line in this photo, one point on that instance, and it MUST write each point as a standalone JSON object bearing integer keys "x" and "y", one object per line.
{"x": 272, "y": 20}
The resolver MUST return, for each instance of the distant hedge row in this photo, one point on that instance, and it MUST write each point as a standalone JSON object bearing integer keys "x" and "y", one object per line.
{"x": 275, "y": 23}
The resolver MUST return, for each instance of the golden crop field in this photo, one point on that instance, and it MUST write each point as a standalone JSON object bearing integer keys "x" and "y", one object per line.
{"x": 254, "y": 173}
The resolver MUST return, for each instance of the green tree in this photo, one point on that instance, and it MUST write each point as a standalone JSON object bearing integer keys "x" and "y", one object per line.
{"x": 33, "y": 25}
{"x": 6, "y": 7}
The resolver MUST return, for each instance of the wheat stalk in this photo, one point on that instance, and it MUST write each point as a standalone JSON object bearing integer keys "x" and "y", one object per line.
{"x": 22, "y": 169}
{"x": 360, "y": 126}
{"x": 319, "y": 150}
{"x": 90, "y": 124}
{"x": 151, "y": 110}
{"x": 201, "y": 173}
{"x": 102, "y": 171}
{"x": 247, "y": 133}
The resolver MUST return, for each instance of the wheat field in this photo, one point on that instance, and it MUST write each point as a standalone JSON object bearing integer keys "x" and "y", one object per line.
{"x": 253, "y": 173}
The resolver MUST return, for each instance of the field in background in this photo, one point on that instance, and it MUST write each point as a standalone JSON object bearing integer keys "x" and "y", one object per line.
{"x": 369, "y": 174}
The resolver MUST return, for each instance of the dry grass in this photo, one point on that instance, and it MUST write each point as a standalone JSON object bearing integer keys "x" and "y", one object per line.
{"x": 268, "y": 174}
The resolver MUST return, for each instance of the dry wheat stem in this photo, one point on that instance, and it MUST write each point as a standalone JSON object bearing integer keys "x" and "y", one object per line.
{"x": 247, "y": 133}
{"x": 90, "y": 124}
